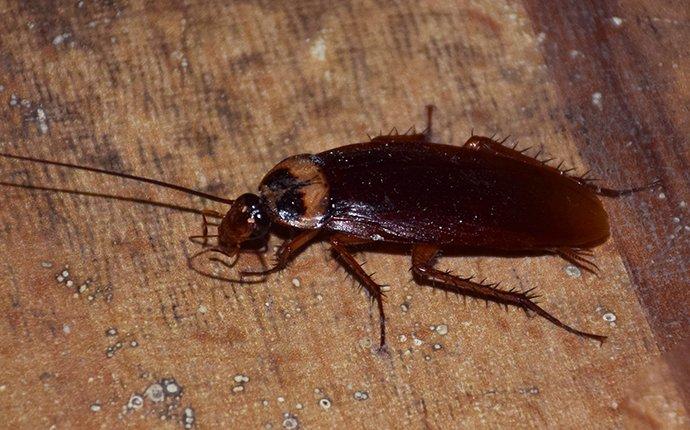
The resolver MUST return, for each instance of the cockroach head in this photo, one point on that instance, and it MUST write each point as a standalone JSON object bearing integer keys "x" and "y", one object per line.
{"x": 245, "y": 220}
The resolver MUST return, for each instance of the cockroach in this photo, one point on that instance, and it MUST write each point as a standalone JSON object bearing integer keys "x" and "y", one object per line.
{"x": 405, "y": 190}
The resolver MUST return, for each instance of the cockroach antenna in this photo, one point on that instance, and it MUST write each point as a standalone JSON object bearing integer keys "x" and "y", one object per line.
{"x": 119, "y": 175}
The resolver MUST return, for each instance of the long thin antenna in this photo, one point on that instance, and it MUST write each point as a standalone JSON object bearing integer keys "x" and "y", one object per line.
{"x": 107, "y": 196}
{"x": 120, "y": 175}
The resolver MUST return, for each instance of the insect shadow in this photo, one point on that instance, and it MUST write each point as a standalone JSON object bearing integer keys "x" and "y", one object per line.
{"x": 408, "y": 193}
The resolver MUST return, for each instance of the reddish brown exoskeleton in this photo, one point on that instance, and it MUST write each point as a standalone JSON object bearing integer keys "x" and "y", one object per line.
{"x": 406, "y": 191}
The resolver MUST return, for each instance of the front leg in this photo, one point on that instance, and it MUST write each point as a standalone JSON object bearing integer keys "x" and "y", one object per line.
{"x": 339, "y": 244}
{"x": 286, "y": 251}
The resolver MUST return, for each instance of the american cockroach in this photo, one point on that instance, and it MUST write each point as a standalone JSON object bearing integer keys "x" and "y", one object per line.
{"x": 404, "y": 190}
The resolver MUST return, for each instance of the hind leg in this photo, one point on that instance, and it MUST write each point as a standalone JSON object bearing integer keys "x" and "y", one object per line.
{"x": 481, "y": 143}
{"x": 423, "y": 257}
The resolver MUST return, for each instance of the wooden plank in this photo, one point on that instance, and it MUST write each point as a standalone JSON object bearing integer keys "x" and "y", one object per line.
{"x": 211, "y": 95}
{"x": 633, "y": 59}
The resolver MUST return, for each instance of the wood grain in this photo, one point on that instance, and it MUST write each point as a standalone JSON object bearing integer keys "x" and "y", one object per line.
{"x": 211, "y": 94}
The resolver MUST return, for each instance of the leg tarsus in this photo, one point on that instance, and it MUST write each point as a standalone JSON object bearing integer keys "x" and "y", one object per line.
{"x": 577, "y": 257}
{"x": 613, "y": 193}
{"x": 287, "y": 250}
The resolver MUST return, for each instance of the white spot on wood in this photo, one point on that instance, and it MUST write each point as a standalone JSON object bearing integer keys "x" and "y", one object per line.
{"x": 597, "y": 100}
{"x": 610, "y": 318}
{"x": 573, "y": 271}
{"x": 318, "y": 49}
{"x": 60, "y": 38}
{"x": 617, "y": 21}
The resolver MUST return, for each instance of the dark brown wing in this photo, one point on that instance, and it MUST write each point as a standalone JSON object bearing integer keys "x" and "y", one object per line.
{"x": 416, "y": 192}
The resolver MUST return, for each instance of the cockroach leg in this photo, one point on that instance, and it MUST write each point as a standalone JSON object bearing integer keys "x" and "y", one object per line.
{"x": 609, "y": 192}
{"x": 578, "y": 257}
{"x": 428, "y": 131}
{"x": 410, "y": 136}
{"x": 488, "y": 144}
{"x": 205, "y": 223}
{"x": 339, "y": 245}
{"x": 423, "y": 257}
{"x": 286, "y": 251}
{"x": 235, "y": 256}
{"x": 195, "y": 239}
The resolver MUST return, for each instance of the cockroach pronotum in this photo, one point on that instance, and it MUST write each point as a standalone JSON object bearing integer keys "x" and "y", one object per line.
{"x": 404, "y": 190}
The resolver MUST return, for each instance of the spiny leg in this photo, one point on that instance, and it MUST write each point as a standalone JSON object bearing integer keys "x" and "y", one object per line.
{"x": 578, "y": 257}
{"x": 394, "y": 137}
{"x": 610, "y": 192}
{"x": 423, "y": 257}
{"x": 286, "y": 251}
{"x": 488, "y": 144}
{"x": 339, "y": 245}
{"x": 429, "y": 114}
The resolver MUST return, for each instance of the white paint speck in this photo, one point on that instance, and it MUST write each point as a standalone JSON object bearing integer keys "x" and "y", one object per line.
{"x": 60, "y": 38}
{"x": 155, "y": 392}
{"x": 202, "y": 309}
{"x": 95, "y": 407}
{"x": 662, "y": 196}
{"x": 597, "y": 100}
{"x": 609, "y": 317}
{"x": 617, "y": 21}
{"x": 66, "y": 329}
{"x": 541, "y": 37}
{"x": 240, "y": 378}
{"x": 135, "y": 402}
{"x": 318, "y": 49}
{"x": 296, "y": 282}
{"x": 442, "y": 329}
{"x": 290, "y": 423}
{"x": 573, "y": 271}
{"x": 361, "y": 395}
{"x": 325, "y": 403}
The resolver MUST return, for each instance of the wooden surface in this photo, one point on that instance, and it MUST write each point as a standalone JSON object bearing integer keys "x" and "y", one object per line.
{"x": 211, "y": 95}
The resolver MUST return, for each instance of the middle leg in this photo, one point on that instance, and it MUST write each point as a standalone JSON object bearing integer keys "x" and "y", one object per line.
{"x": 339, "y": 244}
